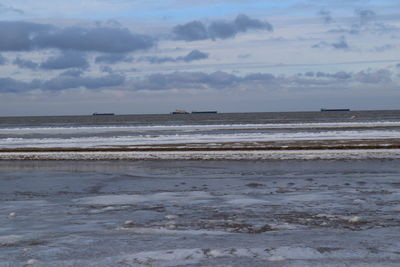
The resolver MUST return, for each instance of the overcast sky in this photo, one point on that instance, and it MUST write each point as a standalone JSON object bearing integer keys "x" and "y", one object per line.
{"x": 146, "y": 56}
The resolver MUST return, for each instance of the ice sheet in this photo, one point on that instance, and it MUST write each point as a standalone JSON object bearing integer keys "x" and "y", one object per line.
{"x": 204, "y": 213}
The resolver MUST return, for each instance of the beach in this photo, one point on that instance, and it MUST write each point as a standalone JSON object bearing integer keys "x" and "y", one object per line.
{"x": 219, "y": 190}
{"x": 200, "y": 213}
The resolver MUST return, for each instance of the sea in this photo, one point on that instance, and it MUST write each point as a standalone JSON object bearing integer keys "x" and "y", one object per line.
{"x": 207, "y": 136}
{"x": 225, "y": 189}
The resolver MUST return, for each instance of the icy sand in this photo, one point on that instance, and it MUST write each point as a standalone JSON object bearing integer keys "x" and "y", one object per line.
{"x": 200, "y": 213}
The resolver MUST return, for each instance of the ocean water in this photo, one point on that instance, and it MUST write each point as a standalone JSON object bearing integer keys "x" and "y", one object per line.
{"x": 200, "y": 132}
{"x": 254, "y": 189}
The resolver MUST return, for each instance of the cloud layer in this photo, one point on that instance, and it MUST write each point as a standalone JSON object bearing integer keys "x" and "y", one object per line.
{"x": 218, "y": 80}
{"x": 26, "y": 36}
{"x": 222, "y": 80}
{"x": 191, "y": 56}
{"x": 113, "y": 58}
{"x": 315, "y": 47}
{"x": 68, "y": 59}
{"x": 219, "y": 29}
{"x": 66, "y": 80}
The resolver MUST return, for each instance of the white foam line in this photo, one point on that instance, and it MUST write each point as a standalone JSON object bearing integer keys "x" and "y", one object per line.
{"x": 105, "y": 129}
{"x": 209, "y": 155}
{"x": 86, "y": 142}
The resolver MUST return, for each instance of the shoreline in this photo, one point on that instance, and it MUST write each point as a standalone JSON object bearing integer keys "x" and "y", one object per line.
{"x": 334, "y": 154}
{"x": 387, "y": 143}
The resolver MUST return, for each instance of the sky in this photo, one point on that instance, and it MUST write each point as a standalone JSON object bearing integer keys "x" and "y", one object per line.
{"x": 78, "y": 57}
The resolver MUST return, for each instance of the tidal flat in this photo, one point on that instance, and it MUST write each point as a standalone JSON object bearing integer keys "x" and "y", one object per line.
{"x": 200, "y": 213}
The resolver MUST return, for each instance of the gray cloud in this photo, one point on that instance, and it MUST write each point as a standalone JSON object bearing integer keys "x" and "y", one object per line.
{"x": 201, "y": 80}
{"x": 186, "y": 80}
{"x": 340, "y": 44}
{"x": 67, "y": 80}
{"x": 157, "y": 60}
{"x": 63, "y": 82}
{"x": 196, "y": 30}
{"x": 9, "y": 9}
{"x": 25, "y": 63}
{"x": 244, "y": 23}
{"x": 260, "y": 77}
{"x": 107, "y": 69}
{"x": 365, "y": 15}
{"x": 73, "y": 73}
{"x": 19, "y": 36}
{"x": 243, "y": 56}
{"x": 365, "y": 21}
{"x": 3, "y": 60}
{"x": 9, "y": 85}
{"x": 222, "y": 30}
{"x": 204, "y": 81}
{"x": 25, "y": 36}
{"x": 68, "y": 59}
{"x": 341, "y": 75}
{"x": 113, "y": 58}
{"x": 374, "y": 77}
{"x": 376, "y": 28}
{"x": 384, "y": 48}
{"x": 326, "y": 16}
{"x": 191, "y": 31}
{"x": 101, "y": 39}
{"x": 175, "y": 80}
{"x": 223, "y": 80}
{"x": 368, "y": 76}
{"x": 194, "y": 55}
{"x": 191, "y": 56}
{"x": 308, "y": 74}
{"x": 352, "y": 31}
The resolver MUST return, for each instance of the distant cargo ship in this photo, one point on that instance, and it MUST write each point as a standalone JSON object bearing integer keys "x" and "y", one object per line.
{"x": 180, "y": 111}
{"x": 335, "y": 109}
{"x": 204, "y": 112}
{"x": 103, "y": 114}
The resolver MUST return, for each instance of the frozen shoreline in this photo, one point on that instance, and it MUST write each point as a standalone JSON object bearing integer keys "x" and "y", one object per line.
{"x": 211, "y": 135}
{"x": 200, "y": 213}
{"x": 338, "y": 154}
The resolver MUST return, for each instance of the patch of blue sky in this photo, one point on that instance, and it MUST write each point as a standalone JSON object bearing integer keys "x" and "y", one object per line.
{"x": 186, "y": 13}
{"x": 261, "y": 9}
{"x": 181, "y": 11}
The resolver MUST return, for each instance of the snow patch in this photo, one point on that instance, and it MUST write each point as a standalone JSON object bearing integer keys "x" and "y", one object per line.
{"x": 296, "y": 253}
{"x": 247, "y": 202}
{"x": 165, "y": 231}
{"x": 109, "y": 200}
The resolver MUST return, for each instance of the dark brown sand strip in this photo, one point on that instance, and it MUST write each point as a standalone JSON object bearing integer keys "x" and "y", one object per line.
{"x": 248, "y": 146}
